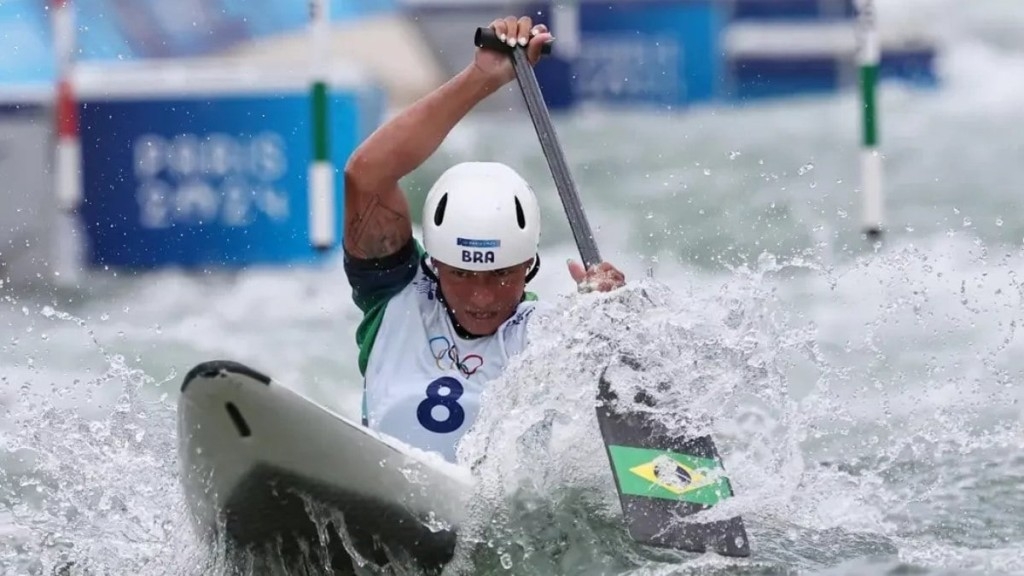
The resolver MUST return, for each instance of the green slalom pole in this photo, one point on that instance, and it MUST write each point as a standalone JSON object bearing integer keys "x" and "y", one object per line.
{"x": 868, "y": 57}
{"x": 321, "y": 170}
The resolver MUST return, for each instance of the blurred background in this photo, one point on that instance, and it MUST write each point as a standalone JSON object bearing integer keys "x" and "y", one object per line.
{"x": 182, "y": 135}
{"x": 156, "y": 211}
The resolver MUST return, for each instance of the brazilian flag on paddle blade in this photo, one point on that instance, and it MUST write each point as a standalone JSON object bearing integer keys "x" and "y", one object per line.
{"x": 662, "y": 474}
{"x": 662, "y": 477}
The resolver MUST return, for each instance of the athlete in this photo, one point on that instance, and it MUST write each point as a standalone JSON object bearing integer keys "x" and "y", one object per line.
{"x": 442, "y": 318}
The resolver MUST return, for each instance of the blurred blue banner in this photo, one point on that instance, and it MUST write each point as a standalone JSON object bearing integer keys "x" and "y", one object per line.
{"x": 133, "y": 29}
{"x": 209, "y": 179}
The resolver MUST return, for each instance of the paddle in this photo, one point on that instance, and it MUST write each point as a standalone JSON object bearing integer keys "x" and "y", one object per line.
{"x": 659, "y": 476}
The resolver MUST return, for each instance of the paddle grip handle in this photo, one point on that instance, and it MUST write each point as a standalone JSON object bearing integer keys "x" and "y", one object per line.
{"x": 488, "y": 38}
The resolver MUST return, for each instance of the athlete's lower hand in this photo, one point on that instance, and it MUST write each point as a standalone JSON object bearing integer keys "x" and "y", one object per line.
{"x": 602, "y": 277}
{"x": 514, "y": 32}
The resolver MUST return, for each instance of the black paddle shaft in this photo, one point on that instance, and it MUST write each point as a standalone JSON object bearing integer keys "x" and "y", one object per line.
{"x": 487, "y": 38}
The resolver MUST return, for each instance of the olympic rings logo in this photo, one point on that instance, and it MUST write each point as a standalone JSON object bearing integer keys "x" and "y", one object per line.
{"x": 446, "y": 355}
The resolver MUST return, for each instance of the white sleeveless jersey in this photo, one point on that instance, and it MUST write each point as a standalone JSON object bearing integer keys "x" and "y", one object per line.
{"x": 422, "y": 381}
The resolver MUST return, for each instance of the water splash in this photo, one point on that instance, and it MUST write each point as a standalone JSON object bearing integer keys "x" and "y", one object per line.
{"x": 546, "y": 498}
{"x": 831, "y": 452}
{"x": 96, "y": 494}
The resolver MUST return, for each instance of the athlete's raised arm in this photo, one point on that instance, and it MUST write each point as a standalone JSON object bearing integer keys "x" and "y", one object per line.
{"x": 377, "y": 220}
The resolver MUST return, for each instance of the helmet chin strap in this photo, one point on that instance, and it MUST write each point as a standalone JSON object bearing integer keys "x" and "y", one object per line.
{"x": 536, "y": 268}
{"x": 431, "y": 273}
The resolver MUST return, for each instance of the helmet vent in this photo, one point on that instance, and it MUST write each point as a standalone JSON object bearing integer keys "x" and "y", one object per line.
{"x": 439, "y": 211}
{"x": 520, "y": 216}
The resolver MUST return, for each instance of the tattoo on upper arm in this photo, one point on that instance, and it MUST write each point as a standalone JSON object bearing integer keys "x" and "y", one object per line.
{"x": 376, "y": 229}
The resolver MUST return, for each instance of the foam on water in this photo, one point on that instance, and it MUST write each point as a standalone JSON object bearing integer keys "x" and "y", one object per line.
{"x": 95, "y": 492}
{"x": 712, "y": 364}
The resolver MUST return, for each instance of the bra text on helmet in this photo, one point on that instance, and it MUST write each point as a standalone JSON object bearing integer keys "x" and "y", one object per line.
{"x": 478, "y": 257}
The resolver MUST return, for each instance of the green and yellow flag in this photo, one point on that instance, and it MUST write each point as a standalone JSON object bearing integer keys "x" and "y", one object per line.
{"x": 660, "y": 474}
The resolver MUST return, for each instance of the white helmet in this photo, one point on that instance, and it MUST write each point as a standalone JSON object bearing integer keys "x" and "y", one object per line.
{"x": 481, "y": 216}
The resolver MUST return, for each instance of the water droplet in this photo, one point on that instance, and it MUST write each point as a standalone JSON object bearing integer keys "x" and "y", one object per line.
{"x": 48, "y": 311}
{"x": 506, "y": 561}
{"x": 707, "y": 172}
{"x": 967, "y": 222}
{"x": 805, "y": 169}
{"x": 999, "y": 221}
{"x": 24, "y": 310}
{"x": 104, "y": 317}
{"x": 842, "y": 213}
{"x": 909, "y": 228}
{"x": 650, "y": 215}
{"x": 734, "y": 155}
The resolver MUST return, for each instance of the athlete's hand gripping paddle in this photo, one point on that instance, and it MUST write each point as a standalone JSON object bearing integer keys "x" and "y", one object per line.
{"x": 660, "y": 476}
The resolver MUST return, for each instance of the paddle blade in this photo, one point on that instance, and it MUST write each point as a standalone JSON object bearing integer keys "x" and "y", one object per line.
{"x": 662, "y": 478}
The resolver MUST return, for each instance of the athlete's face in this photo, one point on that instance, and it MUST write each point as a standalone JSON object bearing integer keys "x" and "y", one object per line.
{"x": 481, "y": 301}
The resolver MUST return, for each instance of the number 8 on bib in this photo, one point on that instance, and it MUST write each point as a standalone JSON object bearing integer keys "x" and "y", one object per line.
{"x": 450, "y": 401}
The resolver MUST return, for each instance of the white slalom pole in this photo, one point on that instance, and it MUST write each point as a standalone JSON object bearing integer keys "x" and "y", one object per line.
{"x": 868, "y": 58}
{"x": 321, "y": 169}
{"x": 68, "y": 157}
{"x": 565, "y": 18}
